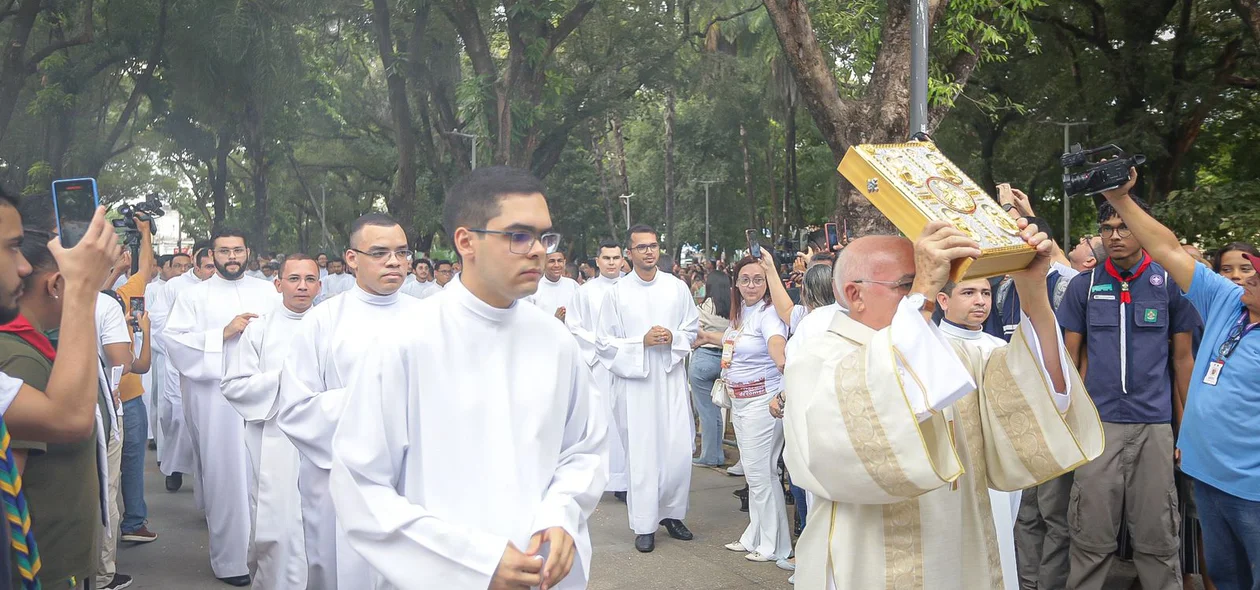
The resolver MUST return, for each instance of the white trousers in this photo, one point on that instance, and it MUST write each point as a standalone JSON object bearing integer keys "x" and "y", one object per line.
{"x": 760, "y": 439}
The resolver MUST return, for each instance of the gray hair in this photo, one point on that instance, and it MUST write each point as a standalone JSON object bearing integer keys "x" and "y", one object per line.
{"x": 816, "y": 290}
{"x": 839, "y": 272}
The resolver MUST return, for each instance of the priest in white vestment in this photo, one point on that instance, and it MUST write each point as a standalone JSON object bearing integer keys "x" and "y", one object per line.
{"x": 251, "y": 383}
{"x": 205, "y": 316}
{"x": 964, "y": 308}
{"x": 555, "y": 291}
{"x": 646, "y": 326}
{"x": 582, "y": 319}
{"x": 336, "y": 282}
{"x": 333, "y": 341}
{"x": 178, "y": 456}
{"x": 899, "y": 432}
{"x": 469, "y": 453}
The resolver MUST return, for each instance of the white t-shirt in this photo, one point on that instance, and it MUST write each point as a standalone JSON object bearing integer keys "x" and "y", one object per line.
{"x": 111, "y": 324}
{"x": 751, "y": 361}
{"x": 9, "y": 387}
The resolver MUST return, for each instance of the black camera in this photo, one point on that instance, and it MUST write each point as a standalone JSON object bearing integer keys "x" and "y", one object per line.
{"x": 1098, "y": 176}
{"x": 144, "y": 211}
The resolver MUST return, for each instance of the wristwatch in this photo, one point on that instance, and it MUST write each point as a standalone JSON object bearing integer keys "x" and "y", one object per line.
{"x": 923, "y": 302}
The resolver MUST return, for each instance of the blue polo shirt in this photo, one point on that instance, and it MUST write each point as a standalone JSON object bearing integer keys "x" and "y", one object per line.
{"x": 1220, "y": 432}
{"x": 1128, "y": 375}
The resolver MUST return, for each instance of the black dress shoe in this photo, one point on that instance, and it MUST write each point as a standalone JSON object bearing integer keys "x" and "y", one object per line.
{"x": 741, "y": 493}
{"x": 236, "y": 581}
{"x": 677, "y": 529}
{"x": 620, "y": 496}
{"x": 645, "y": 543}
{"x": 174, "y": 481}
{"x": 743, "y": 504}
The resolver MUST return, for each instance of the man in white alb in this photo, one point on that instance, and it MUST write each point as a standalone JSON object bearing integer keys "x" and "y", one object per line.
{"x": 332, "y": 342}
{"x": 335, "y": 282}
{"x": 474, "y": 386}
{"x": 251, "y": 383}
{"x": 555, "y": 291}
{"x": 646, "y": 326}
{"x": 420, "y": 286}
{"x": 582, "y": 318}
{"x": 965, "y": 306}
{"x": 178, "y": 455}
{"x": 205, "y": 317}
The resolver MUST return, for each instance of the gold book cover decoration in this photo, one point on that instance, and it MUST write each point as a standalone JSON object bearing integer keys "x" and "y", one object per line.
{"x": 913, "y": 184}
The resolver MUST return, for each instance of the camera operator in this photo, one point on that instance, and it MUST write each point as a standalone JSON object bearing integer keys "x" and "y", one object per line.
{"x": 1218, "y": 442}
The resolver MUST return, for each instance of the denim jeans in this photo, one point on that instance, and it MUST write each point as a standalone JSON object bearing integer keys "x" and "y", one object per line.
{"x": 706, "y": 366}
{"x": 1231, "y": 537}
{"x": 135, "y": 437}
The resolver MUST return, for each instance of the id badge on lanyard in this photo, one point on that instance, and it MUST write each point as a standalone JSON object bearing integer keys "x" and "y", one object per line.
{"x": 728, "y": 349}
{"x": 1241, "y": 328}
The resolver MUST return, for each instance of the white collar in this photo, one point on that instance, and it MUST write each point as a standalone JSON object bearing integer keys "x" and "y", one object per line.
{"x": 961, "y": 332}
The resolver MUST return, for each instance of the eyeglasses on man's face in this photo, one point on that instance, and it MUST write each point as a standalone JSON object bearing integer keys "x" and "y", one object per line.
{"x": 903, "y": 286}
{"x": 646, "y": 248}
{"x": 383, "y": 254}
{"x": 522, "y": 242}
{"x": 233, "y": 252}
{"x": 1119, "y": 230}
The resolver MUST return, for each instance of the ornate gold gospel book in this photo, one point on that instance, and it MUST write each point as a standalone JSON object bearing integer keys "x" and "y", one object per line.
{"x": 913, "y": 184}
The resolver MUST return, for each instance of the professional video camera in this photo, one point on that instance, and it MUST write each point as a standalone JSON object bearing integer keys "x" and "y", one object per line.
{"x": 145, "y": 211}
{"x": 1098, "y": 176}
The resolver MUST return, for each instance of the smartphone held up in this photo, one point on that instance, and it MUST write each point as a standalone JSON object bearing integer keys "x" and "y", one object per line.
{"x": 74, "y": 203}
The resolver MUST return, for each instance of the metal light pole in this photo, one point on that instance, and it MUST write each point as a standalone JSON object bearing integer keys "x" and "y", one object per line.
{"x": 707, "y": 251}
{"x": 918, "y": 66}
{"x": 626, "y": 200}
{"x": 1067, "y": 205}
{"x": 474, "y": 144}
{"x": 323, "y": 202}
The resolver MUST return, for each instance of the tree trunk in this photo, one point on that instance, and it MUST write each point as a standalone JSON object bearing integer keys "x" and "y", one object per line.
{"x": 219, "y": 179}
{"x": 597, "y": 146}
{"x": 671, "y": 241}
{"x": 255, "y": 145}
{"x": 13, "y": 70}
{"x": 619, "y": 144}
{"x": 776, "y": 228}
{"x": 402, "y": 200}
{"x": 748, "y": 182}
{"x": 1249, "y": 11}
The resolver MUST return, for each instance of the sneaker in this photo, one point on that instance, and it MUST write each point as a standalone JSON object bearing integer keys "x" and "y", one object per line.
{"x": 140, "y": 535}
{"x": 736, "y": 546}
{"x": 792, "y": 579}
{"x": 736, "y": 470}
{"x": 759, "y": 558}
{"x": 786, "y": 565}
{"x": 118, "y": 582}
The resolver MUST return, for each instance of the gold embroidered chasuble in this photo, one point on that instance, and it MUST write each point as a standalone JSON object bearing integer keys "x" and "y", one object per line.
{"x": 903, "y": 504}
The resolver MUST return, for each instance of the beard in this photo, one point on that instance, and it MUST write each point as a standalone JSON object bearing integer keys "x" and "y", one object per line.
{"x": 8, "y": 312}
{"x": 230, "y": 275}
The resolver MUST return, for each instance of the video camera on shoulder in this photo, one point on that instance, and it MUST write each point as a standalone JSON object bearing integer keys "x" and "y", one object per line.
{"x": 1098, "y": 176}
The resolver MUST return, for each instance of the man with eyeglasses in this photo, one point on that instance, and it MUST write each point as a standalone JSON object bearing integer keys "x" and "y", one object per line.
{"x": 420, "y": 285}
{"x": 899, "y": 432}
{"x": 1123, "y": 322}
{"x": 646, "y": 327}
{"x": 582, "y": 320}
{"x": 205, "y": 317}
{"x": 332, "y": 343}
{"x": 555, "y": 291}
{"x": 470, "y": 452}
{"x": 251, "y": 383}
{"x": 443, "y": 272}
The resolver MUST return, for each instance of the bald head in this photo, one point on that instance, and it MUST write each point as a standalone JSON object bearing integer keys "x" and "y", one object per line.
{"x": 865, "y": 276}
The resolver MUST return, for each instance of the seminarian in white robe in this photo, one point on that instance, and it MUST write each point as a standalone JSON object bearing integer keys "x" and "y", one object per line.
{"x": 901, "y": 487}
{"x": 1005, "y": 505}
{"x": 334, "y": 285}
{"x": 419, "y": 290}
{"x": 251, "y": 383}
{"x": 333, "y": 341}
{"x": 194, "y": 342}
{"x": 177, "y": 453}
{"x": 152, "y": 380}
{"x": 659, "y": 433}
{"x": 552, "y": 296}
{"x": 581, "y": 319}
{"x": 468, "y": 427}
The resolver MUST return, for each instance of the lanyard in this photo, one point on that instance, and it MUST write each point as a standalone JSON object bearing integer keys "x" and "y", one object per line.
{"x": 1235, "y": 336}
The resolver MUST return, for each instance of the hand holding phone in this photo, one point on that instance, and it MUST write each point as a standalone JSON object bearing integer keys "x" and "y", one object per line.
{"x": 832, "y": 233}
{"x": 74, "y": 202}
{"x": 754, "y": 243}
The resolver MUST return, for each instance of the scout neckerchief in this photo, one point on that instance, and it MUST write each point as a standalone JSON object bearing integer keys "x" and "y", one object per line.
{"x": 1125, "y": 276}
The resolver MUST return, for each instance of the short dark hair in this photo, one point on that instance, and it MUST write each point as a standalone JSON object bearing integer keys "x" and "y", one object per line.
{"x": 1106, "y": 211}
{"x": 38, "y": 227}
{"x": 175, "y": 255}
{"x": 10, "y": 198}
{"x": 437, "y": 263}
{"x": 228, "y": 232}
{"x": 608, "y": 244}
{"x": 424, "y": 261}
{"x": 164, "y": 259}
{"x": 325, "y": 254}
{"x": 204, "y": 252}
{"x": 372, "y": 219}
{"x": 640, "y": 229}
{"x": 336, "y": 259}
{"x": 290, "y": 258}
{"x": 474, "y": 199}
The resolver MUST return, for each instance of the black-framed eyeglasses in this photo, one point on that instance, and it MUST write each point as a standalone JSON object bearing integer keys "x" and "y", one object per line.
{"x": 521, "y": 242}
{"x": 645, "y": 248}
{"x": 903, "y": 286}
{"x": 1122, "y": 231}
{"x": 231, "y": 251}
{"x": 382, "y": 254}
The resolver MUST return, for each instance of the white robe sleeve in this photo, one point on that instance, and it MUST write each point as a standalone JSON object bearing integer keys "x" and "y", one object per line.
{"x": 399, "y": 539}
{"x": 1062, "y": 400}
{"x": 684, "y": 334}
{"x": 308, "y": 410}
{"x": 158, "y": 304}
{"x": 622, "y": 354}
{"x": 251, "y": 390}
{"x": 933, "y": 377}
{"x": 579, "y": 321}
{"x": 195, "y": 352}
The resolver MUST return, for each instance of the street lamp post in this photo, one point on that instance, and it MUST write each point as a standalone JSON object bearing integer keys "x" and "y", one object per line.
{"x": 1067, "y": 205}
{"x": 626, "y": 199}
{"x": 707, "y": 183}
{"x": 474, "y": 144}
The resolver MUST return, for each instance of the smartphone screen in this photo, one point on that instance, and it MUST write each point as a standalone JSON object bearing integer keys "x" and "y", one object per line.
{"x": 833, "y": 235}
{"x": 754, "y": 244}
{"x": 74, "y": 204}
{"x": 137, "y": 305}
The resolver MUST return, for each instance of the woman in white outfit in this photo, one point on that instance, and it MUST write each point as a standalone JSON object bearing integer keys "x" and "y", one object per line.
{"x": 753, "y": 357}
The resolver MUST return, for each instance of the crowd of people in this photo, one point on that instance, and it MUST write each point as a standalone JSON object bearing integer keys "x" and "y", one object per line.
{"x": 1017, "y": 432}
